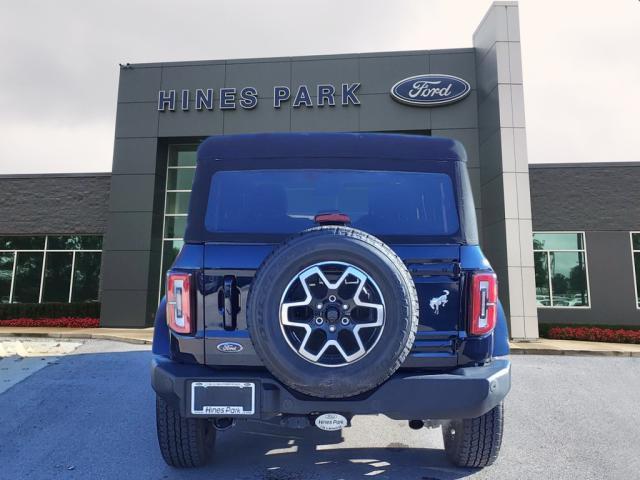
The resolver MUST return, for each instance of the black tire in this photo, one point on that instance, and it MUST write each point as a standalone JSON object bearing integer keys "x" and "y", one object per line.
{"x": 333, "y": 244}
{"x": 474, "y": 442}
{"x": 184, "y": 442}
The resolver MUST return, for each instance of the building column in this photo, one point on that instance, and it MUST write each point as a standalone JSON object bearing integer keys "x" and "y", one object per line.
{"x": 131, "y": 264}
{"x": 504, "y": 171}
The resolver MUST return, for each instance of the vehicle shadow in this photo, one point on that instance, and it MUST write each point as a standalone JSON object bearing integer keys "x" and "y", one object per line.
{"x": 92, "y": 415}
{"x": 257, "y": 450}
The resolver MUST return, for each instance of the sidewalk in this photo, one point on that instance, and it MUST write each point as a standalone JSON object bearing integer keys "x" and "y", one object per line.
{"x": 542, "y": 346}
{"x": 128, "y": 335}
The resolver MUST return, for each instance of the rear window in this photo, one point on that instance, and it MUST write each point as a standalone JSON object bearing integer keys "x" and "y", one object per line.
{"x": 385, "y": 203}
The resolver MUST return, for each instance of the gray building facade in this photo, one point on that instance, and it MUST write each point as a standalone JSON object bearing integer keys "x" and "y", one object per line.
{"x": 601, "y": 203}
{"x": 162, "y": 106}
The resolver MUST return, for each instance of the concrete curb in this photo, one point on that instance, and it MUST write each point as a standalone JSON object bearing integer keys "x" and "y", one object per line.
{"x": 86, "y": 336}
{"x": 573, "y": 353}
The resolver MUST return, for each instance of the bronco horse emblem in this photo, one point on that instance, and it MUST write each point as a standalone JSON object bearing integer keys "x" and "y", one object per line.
{"x": 436, "y": 302}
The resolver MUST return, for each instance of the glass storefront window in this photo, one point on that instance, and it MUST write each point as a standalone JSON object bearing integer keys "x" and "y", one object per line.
{"x": 561, "y": 270}
{"x": 558, "y": 241}
{"x": 74, "y": 242}
{"x": 635, "y": 251}
{"x": 180, "y": 178}
{"x": 182, "y": 155}
{"x": 86, "y": 277}
{"x": 57, "y": 277}
{"x": 181, "y": 168}
{"x": 569, "y": 279}
{"x": 6, "y": 274}
{"x": 177, "y": 202}
{"x": 174, "y": 226}
{"x": 21, "y": 242}
{"x": 55, "y": 268}
{"x": 543, "y": 293}
{"x": 27, "y": 277}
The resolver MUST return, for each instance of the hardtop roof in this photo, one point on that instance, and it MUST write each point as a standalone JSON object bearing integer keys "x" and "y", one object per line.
{"x": 358, "y": 145}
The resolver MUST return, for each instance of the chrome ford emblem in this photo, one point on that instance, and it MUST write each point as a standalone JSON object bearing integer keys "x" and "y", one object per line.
{"x": 229, "y": 347}
{"x": 430, "y": 90}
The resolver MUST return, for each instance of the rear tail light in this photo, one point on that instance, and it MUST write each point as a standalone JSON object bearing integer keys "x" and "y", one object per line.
{"x": 179, "y": 304}
{"x": 332, "y": 219}
{"x": 484, "y": 303}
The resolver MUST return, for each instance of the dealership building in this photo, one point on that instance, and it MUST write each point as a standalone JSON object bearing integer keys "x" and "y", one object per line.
{"x": 562, "y": 237}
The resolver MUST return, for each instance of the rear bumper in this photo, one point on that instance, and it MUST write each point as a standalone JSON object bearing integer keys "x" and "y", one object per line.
{"x": 462, "y": 393}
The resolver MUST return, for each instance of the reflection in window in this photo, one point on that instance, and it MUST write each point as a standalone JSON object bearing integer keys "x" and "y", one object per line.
{"x": 21, "y": 242}
{"x": 53, "y": 268}
{"x": 57, "y": 277}
{"x": 174, "y": 227}
{"x": 26, "y": 282}
{"x": 543, "y": 292}
{"x": 560, "y": 270}
{"x": 74, "y": 242}
{"x": 6, "y": 274}
{"x": 635, "y": 248}
{"x": 86, "y": 277}
{"x": 177, "y": 202}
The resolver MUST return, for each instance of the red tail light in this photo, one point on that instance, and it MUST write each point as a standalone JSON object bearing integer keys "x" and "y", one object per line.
{"x": 484, "y": 303}
{"x": 179, "y": 303}
{"x": 332, "y": 219}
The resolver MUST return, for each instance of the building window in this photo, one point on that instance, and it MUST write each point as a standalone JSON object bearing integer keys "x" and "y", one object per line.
{"x": 635, "y": 249}
{"x": 181, "y": 167}
{"x": 50, "y": 268}
{"x": 562, "y": 278}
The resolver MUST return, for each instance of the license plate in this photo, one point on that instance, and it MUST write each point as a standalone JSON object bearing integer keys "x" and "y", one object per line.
{"x": 223, "y": 398}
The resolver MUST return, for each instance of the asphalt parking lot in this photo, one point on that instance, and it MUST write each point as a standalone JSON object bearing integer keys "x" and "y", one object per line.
{"x": 89, "y": 413}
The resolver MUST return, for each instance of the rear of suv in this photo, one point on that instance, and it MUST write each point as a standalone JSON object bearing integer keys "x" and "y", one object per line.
{"x": 325, "y": 276}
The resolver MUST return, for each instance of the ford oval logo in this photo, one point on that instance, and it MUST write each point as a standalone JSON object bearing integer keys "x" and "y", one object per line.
{"x": 430, "y": 90}
{"x": 229, "y": 347}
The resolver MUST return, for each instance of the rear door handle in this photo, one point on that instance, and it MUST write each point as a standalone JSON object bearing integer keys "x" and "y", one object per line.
{"x": 230, "y": 313}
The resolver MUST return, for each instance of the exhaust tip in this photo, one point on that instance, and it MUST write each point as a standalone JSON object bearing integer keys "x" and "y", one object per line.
{"x": 416, "y": 424}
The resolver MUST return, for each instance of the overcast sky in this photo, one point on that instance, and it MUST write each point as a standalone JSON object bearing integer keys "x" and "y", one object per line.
{"x": 59, "y": 64}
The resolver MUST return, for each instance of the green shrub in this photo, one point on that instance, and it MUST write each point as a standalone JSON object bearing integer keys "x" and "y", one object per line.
{"x": 49, "y": 310}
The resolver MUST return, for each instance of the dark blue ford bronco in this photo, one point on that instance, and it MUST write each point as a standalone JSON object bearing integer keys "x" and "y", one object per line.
{"x": 325, "y": 276}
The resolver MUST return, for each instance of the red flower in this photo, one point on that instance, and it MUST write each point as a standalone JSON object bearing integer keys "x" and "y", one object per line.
{"x": 66, "y": 322}
{"x": 594, "y": 334}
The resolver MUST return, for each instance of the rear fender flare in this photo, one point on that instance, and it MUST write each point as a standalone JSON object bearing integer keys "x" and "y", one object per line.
{"x": 500, "y": 334}
{"x": 161, "y": 330}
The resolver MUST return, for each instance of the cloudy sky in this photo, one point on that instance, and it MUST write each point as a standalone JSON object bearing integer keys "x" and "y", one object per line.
{"x": 59, "y": 63}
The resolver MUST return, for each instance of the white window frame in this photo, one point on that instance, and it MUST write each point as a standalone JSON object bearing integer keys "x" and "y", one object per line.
{"x": 164, "y": 208}
{"x": 586, "y": 269}
{"x": 633, "y": 265}
{"x": 44, "y": 252}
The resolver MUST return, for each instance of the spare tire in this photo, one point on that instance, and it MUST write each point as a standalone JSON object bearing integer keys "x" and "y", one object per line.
{"x": 332, "y": 312}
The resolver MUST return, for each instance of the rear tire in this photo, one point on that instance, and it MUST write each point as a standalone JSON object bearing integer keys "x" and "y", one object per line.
{"x": 184, "y": 442}
{"x": 474, "y": 442}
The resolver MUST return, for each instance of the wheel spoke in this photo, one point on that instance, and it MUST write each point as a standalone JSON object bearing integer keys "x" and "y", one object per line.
{"x": 327, "y": 321}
